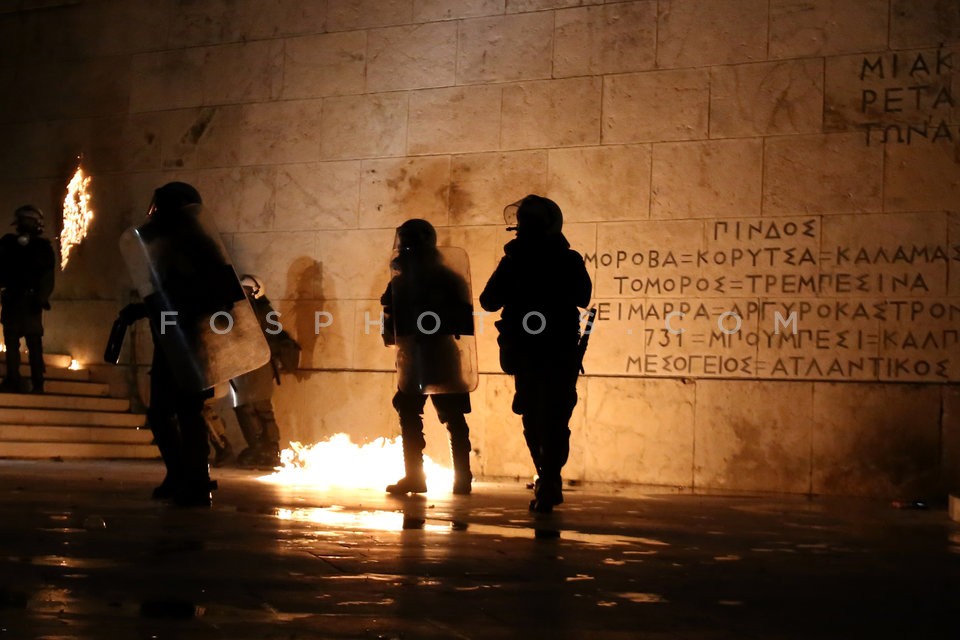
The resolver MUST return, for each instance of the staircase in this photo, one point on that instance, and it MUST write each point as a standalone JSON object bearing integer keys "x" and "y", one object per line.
{"x": 74, "y": 418}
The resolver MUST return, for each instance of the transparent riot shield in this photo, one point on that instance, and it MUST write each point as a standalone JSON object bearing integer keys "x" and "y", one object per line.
{"x": 206, "y": 327}
{"x": 432, "y": 316}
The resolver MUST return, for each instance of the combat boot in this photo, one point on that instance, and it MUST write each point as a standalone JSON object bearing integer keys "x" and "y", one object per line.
{"x": 460, "y": 455}
{"x": 546, "y": 495}
{"x": 268, "y": 456}
{"x": 221, "y": 454}
{"x": 462, "y": 485}
{"x": 193, "y": 497}
{"x": 414, "y": 480}
{"x": 195, "y": 489}
{"x": 164, "y": 490}
{"x": 415, "y": 483}
{"x": 462, "y": 478}
{"x": 167, "y": 440}
{"x": 247, "y": 458}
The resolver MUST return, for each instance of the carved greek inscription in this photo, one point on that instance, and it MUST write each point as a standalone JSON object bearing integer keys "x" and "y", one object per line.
{"x": 772, "y": 300}
{"x": 907, "y": 98}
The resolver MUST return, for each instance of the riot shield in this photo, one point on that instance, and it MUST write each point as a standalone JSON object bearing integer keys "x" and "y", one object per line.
{"x": 204, "y": 323}
{"x": 432, "y": 316}
{"x": 253, "y": 386}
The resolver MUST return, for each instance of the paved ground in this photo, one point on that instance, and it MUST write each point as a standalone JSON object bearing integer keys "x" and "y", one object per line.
{"x": 83, "y": 554}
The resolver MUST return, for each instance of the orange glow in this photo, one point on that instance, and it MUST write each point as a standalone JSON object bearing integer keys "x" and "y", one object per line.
{"x": 337, "y": 516}
{"x": 338, "y": 462}
{"x": 77, "y": 215}
{"x": 74, "y": 365}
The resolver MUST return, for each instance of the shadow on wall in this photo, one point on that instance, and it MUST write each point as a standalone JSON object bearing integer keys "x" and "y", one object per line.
{"x": 304, "y": 287}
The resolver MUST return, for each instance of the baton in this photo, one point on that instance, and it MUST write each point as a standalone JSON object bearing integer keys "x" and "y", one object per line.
{"x": 118, "y": 332}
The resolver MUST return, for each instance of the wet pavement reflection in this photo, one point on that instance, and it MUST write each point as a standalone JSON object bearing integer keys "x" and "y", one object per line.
{"x": 84, "y": 554}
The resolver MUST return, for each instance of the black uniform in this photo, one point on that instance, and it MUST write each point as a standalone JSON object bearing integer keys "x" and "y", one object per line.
{"x": 539, "y": 284}
{"x": 28, "y": 265}
{"x": 424, "y": 284}
{"x": 187, "y": 269}
{"x": 180, "y": 432}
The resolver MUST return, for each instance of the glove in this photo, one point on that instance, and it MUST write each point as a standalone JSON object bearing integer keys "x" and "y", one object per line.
{"x": 133, "y": 312}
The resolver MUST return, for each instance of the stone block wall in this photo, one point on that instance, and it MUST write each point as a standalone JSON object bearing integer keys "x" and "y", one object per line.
{"x": 724, "y": 159}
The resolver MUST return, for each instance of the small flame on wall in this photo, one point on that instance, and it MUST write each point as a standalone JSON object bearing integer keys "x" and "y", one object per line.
{"x": 338, "y": 462}
{"x": 74, "y": 365}
{"x": 77, "y": 214}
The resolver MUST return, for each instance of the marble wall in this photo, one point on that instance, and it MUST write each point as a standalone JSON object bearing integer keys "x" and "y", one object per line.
{"x": 314, "y": 127}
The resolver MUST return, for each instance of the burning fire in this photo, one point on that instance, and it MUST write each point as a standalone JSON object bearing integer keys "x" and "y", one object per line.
{"x": 338, "y": 462}
{"x": 77, "y": 215}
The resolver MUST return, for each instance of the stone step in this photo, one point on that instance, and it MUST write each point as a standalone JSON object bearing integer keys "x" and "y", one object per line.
{"x": 75, "y": 418}
{"x": 58, "y": 360}
{"x": 77, "y": 388}
{"x": 101, "y": 450}
{"x": 63, "y": 402}
{"x": 53, "y": 373}
{"x": 19, "y": 416}
{"x": 56, "y": 435}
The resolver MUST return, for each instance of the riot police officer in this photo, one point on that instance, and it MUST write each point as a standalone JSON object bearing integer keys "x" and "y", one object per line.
{"x": 252, "y": 393}
{"x": 27, "y": 268}
{"x": 428, "y": 315}
{"x": 539, "y": 284}
{"x": 186, "y": 280}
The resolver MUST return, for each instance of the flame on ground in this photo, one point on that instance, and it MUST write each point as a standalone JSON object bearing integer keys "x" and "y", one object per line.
{"x": 338, "y": 462}
{"x": 77, "y": 215}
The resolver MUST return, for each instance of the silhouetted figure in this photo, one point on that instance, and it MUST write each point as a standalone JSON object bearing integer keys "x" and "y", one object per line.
{"x": 428, "y": 315}
{"x": 253, "y": 392}
{"x": 27, "y": 268}
{"x": 539, "y": 284}
{"x": 191, "y": 279}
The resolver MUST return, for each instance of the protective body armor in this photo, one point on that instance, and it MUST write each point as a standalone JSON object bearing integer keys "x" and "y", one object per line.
{"x": 197, "y": 309}
{"x": 430, "y": 315}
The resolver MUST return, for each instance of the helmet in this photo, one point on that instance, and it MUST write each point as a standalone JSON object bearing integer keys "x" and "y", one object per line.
{"x": 28, "y": 215}
{"x": 253, "y": 283}
{"x": 415, "y": 234}
{"x": 534, "y": 216}
{"x": 174, "y": 196}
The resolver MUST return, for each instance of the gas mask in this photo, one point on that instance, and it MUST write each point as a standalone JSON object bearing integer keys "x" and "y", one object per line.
{"x": 28, "y": 221}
